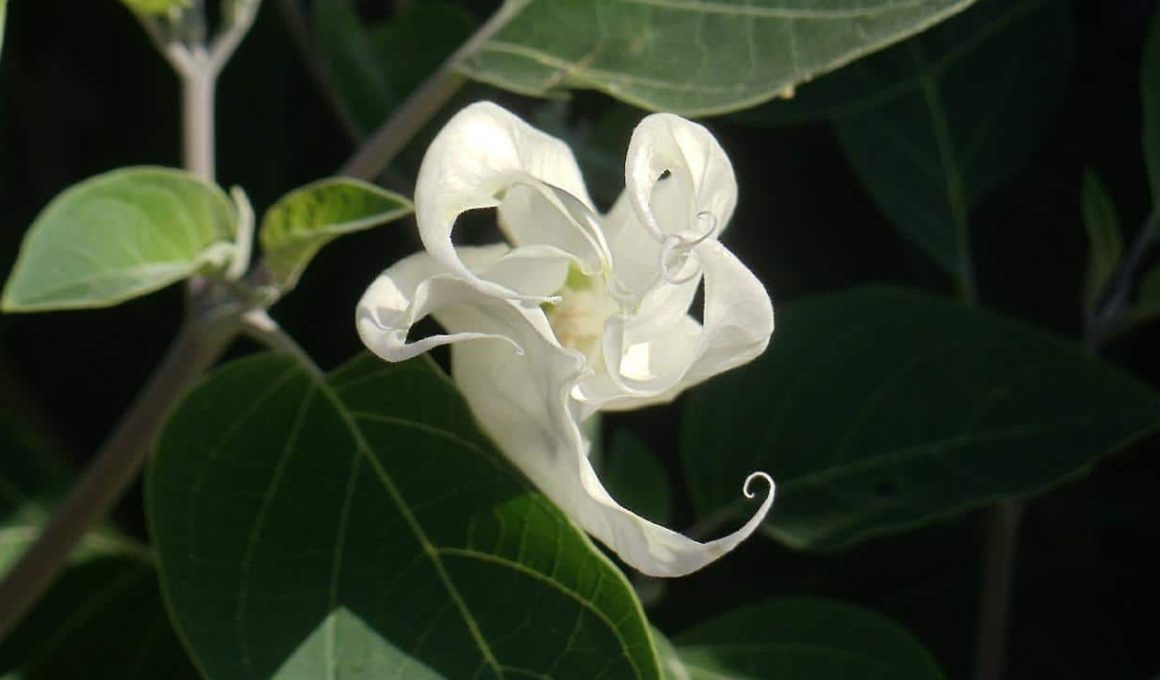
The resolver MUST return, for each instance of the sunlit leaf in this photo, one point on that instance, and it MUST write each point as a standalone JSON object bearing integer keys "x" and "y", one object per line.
{"x": 118, "y": 236}
{"x": 1105, "y": 246}
{"x": 362, "y": 527}
{"x": 803, "y": 638}
{"x": 953, "y": 112}
{"x": 296, "y": 227}
{"x": 693, "y": 57}
{"x": 878, "y": 410}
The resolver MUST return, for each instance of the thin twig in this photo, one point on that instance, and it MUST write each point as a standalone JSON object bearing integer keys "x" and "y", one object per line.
{"x": 386, "y": 142}
{"x": 197, "y": 346}
{"x": 1003, "y": 520}
{"x": 237, "y": 27}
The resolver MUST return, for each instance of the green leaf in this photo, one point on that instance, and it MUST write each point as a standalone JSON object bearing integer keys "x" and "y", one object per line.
{"x": 690, "y": 56}
{"x": 878, "y": 409}
{"x": 363, "y": 527}
{"x": 1103, "y": 231}
{"x": 3, "y": 7}
{"x": 1150, "y": 93}
{"x": 303, "y": 221}
{"x": 957, "y": 109}
{"x": 672, "y": 667}
{"x": 635, "y": 477}
{"x": 803, "y": 637}
{"x": 118, "y": 236}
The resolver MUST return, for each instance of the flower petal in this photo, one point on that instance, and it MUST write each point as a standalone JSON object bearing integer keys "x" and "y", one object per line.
{"x": 475, "y": 161}
{"x": 699, "y": 191}
{"x": 420, "y": 285}
{"x": 654, "y": 355}
{"x": 522, "y": 402}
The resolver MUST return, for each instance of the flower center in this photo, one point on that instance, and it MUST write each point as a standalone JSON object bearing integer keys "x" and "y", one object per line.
{"x": 578, "y": 319}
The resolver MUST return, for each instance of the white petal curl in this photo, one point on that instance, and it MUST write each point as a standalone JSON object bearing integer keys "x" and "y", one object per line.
{"x": 700, "y": 184}
{"x": 482, "y": 153}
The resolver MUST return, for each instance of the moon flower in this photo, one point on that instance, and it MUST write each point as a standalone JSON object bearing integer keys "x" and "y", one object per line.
{"x": 577, "y": 312}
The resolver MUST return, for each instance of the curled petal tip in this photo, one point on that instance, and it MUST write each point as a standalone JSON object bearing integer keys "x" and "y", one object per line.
{"x": 749, "y": 493}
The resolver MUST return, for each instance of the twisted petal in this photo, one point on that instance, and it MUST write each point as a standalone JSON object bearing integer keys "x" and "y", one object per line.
{"x": 420, "y": 285}
{"x": 522, "y": 402}
{"x": 677, "y": 175}
{"x": 486, "y": 157}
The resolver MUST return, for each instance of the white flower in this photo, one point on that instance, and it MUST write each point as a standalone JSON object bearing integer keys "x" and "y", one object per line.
{"x": 581, "y": 312}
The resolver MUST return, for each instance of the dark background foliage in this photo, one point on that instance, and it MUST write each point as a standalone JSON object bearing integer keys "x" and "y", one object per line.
{"x": 82, "y": 91}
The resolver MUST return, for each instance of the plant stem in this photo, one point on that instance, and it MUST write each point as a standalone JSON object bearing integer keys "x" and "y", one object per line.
{"x": 198, "y": 121}
{"x": 198, "y": 344}
{"x": 1003, "y": 520}
{"x": 386, "y": 142}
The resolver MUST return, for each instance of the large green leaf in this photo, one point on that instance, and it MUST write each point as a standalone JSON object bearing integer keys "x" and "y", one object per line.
{"x": 803, "y": 638}
{"x": 1150, "y": 93}
{"x": 880, "y": 409}
{"x": 695, "y": 57}
{"x": 296, "y": 227}
{"x": 118, "y": 236}
{"x": 363, "y": 527}
{"x": 955, "y": 111}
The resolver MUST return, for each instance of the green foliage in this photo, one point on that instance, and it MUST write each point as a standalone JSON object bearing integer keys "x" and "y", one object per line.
{"x": 373, "y": 68}
{"x": 878, "y": 409}
{"x": 803, "y": 638}
{"x": 3, "y": 7}
{"x": 935, "y": 123}
{"x": 1150, "y": 92}
{"x": 362, "y": 526}
{"x": 118, "y": 236}
{"x": 635, "y": 477}
{"x": 694, "y": 58}
{"x": 1105, "y": 244}
{"x": 303, "y": 221}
